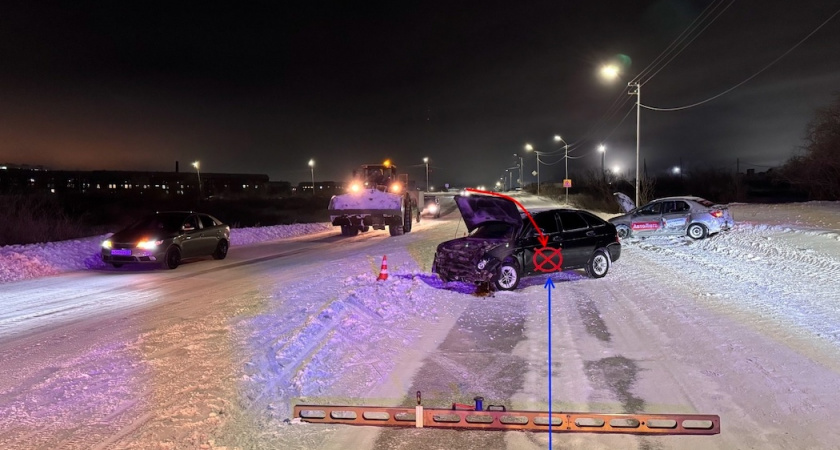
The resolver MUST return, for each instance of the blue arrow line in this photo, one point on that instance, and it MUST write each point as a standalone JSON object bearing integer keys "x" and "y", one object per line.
{"x": 549, "y": 285}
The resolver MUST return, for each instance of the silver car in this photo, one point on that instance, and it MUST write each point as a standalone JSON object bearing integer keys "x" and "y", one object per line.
{"x": 692, "y": 216}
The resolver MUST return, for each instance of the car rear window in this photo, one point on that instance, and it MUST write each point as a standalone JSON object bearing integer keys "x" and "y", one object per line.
{"x": 705, "y": 202}
{"x": 572, "y": 221}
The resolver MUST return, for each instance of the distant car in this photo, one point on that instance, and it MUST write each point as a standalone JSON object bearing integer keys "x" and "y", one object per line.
{"x": 166, "y": 238}
{"x": 685, "y": 216}
{"x": 431, "y": 206}
{"x": 502, "y": 242}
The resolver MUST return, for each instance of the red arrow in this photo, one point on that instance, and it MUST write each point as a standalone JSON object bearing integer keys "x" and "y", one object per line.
{"x": 542, "y": 238}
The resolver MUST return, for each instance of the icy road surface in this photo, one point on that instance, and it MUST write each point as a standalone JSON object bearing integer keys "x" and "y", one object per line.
{"x": 745, "y": 325}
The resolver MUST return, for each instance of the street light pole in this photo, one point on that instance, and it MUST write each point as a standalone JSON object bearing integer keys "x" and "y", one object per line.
{"x": 637, "y": 91}
{"x": 529, "y": 147}
{"x": 603, "y": 149}
{"x": 521, "y": 163}
{"x": 198, "y": 173}
{"x": 426, "y": 162}
{"x": 557, "y": 138}
{"x": 312, "y": 170}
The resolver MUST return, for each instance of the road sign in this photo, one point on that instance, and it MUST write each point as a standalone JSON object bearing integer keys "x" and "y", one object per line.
{"x": 567, "y": 183}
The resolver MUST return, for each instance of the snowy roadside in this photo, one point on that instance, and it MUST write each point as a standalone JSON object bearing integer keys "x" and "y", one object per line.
{"x": 24, "y": 262}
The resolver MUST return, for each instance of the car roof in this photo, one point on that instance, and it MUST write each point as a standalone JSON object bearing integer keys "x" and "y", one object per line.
{"x": 680, "y": 197}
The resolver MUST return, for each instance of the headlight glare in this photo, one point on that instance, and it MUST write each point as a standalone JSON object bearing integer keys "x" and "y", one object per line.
{"x": 107, "y": 243}
{"x": 148, "y": 244}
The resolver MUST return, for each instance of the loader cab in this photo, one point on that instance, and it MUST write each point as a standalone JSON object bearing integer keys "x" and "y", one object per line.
{"x": 383, "y": 177}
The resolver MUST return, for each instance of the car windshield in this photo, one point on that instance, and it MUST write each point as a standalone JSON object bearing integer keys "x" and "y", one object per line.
{"x": 167, "y": 222}
{"x": 493, "y": 230}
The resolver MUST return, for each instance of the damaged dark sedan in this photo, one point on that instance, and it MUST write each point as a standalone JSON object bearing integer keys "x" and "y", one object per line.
{"x": 502, "y": 243}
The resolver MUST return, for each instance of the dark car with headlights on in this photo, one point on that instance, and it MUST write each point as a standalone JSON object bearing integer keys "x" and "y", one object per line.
{"x": 166, "y": 238}
{"x": 502, "y": 242}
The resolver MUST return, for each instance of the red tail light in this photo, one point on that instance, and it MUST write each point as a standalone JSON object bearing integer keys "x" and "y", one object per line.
{"x": 716, "y": 213}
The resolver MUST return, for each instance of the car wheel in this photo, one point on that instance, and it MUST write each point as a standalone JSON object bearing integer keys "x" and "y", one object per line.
{"x": 599, "y": 264}
{"x": 349, "y": 230}
{"x": 221, "y": 250}
{"x": 623, "y": 231}
{"x": 172, "y": 258}
{"x": 365, "y": 229}
{"x": 508, "y": 277}
{"x": 117, "y": 265}
{"x": 697, "y": 231}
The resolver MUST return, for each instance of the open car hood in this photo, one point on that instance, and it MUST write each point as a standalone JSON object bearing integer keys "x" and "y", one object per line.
{"x": 479, "y": 209}
{"x": 624, "y": 202}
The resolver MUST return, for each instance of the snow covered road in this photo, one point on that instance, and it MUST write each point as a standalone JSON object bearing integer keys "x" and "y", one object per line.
{"x": 214, "y": 355}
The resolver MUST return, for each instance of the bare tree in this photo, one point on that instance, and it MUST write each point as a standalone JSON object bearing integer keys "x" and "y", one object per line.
{"x": 816, "y": 170}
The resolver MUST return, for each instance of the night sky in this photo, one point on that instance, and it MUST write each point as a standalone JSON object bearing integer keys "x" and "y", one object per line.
{"x": 263, "y": 87}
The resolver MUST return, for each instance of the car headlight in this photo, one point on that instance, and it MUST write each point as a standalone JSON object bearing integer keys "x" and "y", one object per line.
{"x": 107, "y": 243}
{"x": 355, "y": 187}
{"x": 433, "y": 208}
{"x": 396, "y": 188}
{"x": 149, "y": 245}
{"x": 483, "y": 263}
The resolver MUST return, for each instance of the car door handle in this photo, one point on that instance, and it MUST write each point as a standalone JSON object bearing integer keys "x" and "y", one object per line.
{"x": 590, "y": 233}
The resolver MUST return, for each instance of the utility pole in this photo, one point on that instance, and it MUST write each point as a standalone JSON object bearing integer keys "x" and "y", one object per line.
{"x": 637, "y": 91}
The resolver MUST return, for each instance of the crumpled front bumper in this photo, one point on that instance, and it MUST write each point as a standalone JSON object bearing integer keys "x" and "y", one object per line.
{"x": 461, "y": 260}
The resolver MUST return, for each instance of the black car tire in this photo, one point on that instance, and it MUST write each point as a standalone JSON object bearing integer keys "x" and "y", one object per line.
{"x": 623, "y": 231}
{"x": 407, "y": 220}
{"x": 221, "y": 250}
{"x": 508, "y": 277}
{"x": 599, "y": 264}
{"x": 117, "y": 265}
{"x": 364, "y": 229}
{"x": 697, "y": 231}
{"x": 172, "y": 258}
{"x": 395, "y": 228}
{"x": 349, "y": 230}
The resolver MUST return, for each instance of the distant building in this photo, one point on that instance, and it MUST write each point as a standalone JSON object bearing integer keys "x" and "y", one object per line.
{"x": 23, "y": 179}
{"x": 322, "y": 188}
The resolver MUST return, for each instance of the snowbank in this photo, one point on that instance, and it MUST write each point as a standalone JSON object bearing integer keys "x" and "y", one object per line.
{"x": 23, "y": 262}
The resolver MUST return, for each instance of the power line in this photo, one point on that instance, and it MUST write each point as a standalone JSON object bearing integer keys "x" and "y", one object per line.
{"x": 622, "y": 99}
{"x": 682, "y": 36}
{"x": 652, "y": 108}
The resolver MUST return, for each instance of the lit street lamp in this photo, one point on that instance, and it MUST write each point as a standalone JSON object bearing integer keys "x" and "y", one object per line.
{"x": 198, "y": 173}
{"x": 610, "y": 72}
{"x": 557, "y": 138}
{"x": 312, "y": 170}
{"x": 426, "y": 162}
